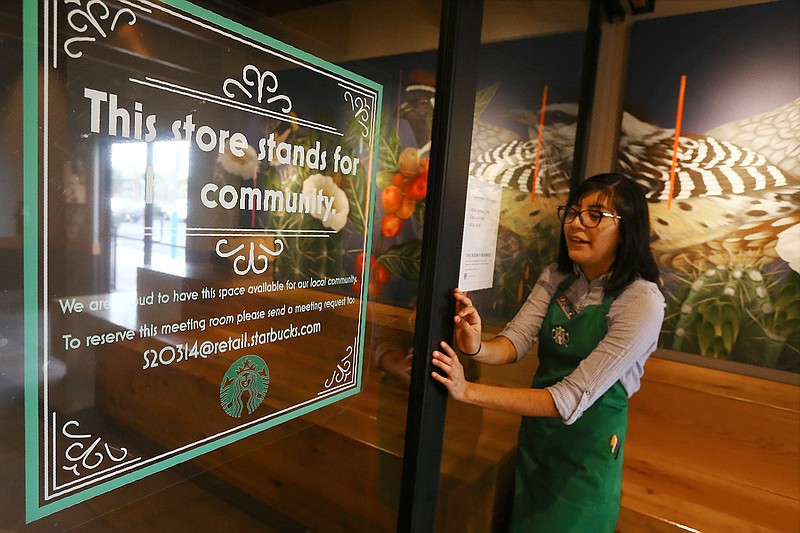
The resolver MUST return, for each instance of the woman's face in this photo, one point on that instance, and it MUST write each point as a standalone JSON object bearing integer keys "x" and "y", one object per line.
{"x": 594, "y": 249}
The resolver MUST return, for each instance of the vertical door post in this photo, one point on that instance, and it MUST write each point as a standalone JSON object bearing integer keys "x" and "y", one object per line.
{"x": 457, "y": 66}
{"x": 591, "y": 58}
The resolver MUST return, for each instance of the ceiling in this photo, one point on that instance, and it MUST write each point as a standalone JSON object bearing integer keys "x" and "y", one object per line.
{"x": 357, "y": 29}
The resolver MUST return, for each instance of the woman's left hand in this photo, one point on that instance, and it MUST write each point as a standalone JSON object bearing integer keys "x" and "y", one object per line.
{"x": 454, "y": 379}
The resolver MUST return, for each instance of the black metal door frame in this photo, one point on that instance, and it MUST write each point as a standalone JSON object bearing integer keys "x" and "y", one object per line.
{"x": 457, "y": 68}
{"x": 451, "y": 136}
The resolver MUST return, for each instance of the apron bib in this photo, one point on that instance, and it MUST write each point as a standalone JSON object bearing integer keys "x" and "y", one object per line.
{"x": 569, "y": 478}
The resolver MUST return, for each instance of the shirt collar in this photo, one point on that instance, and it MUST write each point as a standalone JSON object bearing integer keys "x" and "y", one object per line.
{"x": 598, "y": 281}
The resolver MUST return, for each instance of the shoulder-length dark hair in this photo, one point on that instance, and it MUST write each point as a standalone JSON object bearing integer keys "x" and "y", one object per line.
{"x": 634, "y": 257}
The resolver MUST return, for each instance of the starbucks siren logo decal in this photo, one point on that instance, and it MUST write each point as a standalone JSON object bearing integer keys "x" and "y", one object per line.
{"x": 249, "y": 375}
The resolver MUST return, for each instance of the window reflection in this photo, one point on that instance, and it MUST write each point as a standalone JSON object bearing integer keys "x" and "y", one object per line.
{"x": 151, "y": 234}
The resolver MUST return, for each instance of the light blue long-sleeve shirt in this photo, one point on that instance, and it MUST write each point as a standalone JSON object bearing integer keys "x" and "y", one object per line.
{"x": 634, "y": 322}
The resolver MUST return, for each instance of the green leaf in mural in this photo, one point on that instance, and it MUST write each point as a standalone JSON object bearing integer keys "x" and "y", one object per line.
{"x": 419, "y": 211}
{"x": 483, "y": 98}
{"x": 718, "y": 326}
{"x": 785, "y": 318}
{"x": 757, "y": 346}
{"x": 353, "y": 139}
{"x": 355, "y": 187}
{"x": 403, "y": 259}
{"x": 389, "y": 148}
{"x": 384, "y": 178}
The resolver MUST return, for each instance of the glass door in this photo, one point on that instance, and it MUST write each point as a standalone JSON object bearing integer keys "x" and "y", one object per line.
{"x": 527, "y": 94}
{"x": 210, "y": 323}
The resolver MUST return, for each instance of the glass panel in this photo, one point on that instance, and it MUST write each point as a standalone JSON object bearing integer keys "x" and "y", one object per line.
{"x": 523, "y": 140}
{"x": 729, "y": 276}
{"x": 151, "y": 410}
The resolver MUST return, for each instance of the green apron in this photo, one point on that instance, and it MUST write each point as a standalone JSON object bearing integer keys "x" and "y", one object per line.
{"x": 569, "y": 477}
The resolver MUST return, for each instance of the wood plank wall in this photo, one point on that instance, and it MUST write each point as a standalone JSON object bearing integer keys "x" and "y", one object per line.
{"x": 709, "y": 450}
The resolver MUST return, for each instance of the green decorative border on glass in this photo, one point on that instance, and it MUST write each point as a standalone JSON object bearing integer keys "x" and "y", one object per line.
{"x": 30, "y": 113}
{"x": 33, "y": 315}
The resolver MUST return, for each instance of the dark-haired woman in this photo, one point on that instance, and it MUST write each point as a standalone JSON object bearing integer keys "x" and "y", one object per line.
{"x": 597, "y": 314}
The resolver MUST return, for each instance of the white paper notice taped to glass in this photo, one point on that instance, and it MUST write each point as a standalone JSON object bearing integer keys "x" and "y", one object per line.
{"x": 479, "y": 244}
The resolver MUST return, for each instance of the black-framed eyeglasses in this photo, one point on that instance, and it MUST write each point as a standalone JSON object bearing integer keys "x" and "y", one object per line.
{"x": 590, "y": 218}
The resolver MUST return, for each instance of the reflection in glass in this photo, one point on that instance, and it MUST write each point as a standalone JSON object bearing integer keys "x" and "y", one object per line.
{"x": 130, "y": 224}
{"x": 196, "y": 293}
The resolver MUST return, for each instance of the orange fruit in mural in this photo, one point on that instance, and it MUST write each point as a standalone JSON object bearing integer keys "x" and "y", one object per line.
{"x": 391, "y": 199}
{"x": 391, "y": 225}
{"x": 418, "y": 187}
{"x": 407, "y": 209}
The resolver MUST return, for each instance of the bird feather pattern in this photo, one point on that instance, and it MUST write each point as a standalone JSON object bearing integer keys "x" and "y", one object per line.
{"x": 729, "y": 202}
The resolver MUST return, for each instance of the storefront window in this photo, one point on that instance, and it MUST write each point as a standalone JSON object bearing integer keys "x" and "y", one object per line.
{"x": 202, "y": 294}
{"x": 212, "y": 238}
{"x": 166, "y": 246}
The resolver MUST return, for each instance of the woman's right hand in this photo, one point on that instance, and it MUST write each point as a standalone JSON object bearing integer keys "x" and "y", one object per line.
{"x": 468, "y": 324}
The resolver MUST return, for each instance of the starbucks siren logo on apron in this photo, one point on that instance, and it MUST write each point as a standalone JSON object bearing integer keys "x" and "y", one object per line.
{"x": 560, "y": 336}
{"x": 250, "y": 375}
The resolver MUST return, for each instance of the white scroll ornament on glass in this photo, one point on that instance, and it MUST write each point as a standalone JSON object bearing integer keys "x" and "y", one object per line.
{"x": 92, "y": 15}
{"x": 90, "y": 457}
{"x": 251, "y": 259}
{"x": 259, "y": 81}
{"x": 361, "y": 108}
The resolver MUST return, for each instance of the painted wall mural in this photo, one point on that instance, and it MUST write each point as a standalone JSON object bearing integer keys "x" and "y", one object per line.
{"x": 725, "y": 228}
{"x": 724, "y": 189}
{"x": 513, "y": 77}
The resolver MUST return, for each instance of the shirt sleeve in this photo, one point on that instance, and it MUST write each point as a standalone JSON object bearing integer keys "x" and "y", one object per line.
{"x": 523, "y": 329}
{"x": 634, "y": 323}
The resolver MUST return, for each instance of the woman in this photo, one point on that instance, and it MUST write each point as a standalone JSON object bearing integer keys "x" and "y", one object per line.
{"x": 599, "y": 312}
